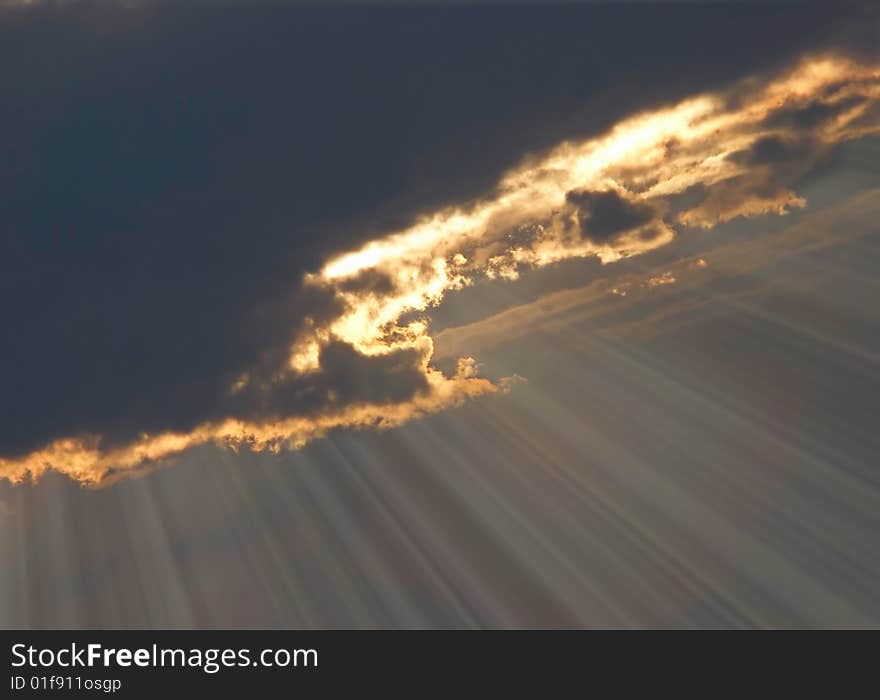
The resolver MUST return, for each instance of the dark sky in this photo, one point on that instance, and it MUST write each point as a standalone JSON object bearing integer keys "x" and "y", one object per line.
{"x": 169, "y": 172}
{"x": 702, "y": 456}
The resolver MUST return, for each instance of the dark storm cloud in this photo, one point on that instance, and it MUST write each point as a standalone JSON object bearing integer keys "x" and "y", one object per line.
{"x": 352, "y": 377}
{"x": 347, "y": 376}
{"x": 168, "y": 173}
{"x": 777, "y": 150}
{"x": 603, "y": 216}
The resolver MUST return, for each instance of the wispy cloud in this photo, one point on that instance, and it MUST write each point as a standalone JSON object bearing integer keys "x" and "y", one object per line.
{"x": 614, "y": 305}
{"x": 359, "y": 362}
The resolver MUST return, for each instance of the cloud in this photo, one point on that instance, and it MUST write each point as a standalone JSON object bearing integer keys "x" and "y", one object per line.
{"x": 629, "y": 306}
{"x": 333, "y": 332}
{"x": 604, "y": 216}
{"x": 171, "y": 172}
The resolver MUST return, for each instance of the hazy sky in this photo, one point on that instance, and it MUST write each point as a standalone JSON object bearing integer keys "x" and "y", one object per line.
{"x": 469, "y": 316}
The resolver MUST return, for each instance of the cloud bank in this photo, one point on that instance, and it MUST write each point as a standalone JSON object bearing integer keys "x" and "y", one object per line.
{"x": 357, "y": 360}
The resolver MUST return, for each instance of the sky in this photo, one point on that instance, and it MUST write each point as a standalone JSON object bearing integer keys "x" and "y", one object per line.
{"x": 448, "y": 316}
